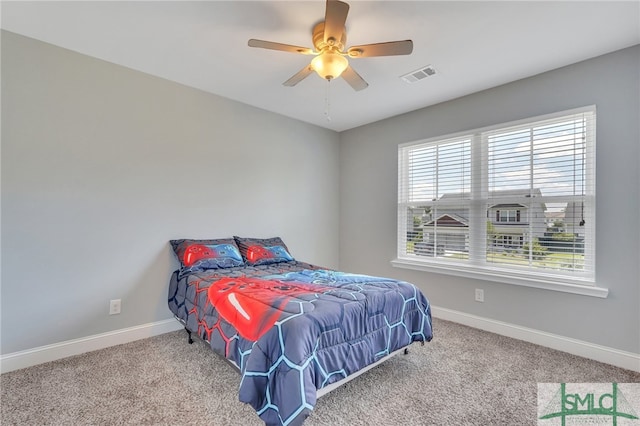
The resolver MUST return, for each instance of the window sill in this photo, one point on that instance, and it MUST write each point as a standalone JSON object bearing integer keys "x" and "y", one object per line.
{"x": 566, "y": 285}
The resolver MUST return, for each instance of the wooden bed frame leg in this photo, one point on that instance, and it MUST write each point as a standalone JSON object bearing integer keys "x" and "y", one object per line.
{"x": 190, "y": 338}
{"x": 406, "y": 351}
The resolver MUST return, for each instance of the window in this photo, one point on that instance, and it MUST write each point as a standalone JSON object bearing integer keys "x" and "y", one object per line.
{"x": 507, "y": 215}
{"x": 515, "y": 201}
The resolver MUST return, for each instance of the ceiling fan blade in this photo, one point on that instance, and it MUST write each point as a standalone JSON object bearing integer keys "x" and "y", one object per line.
{"x": 299, "y": 76}
{"x": 279, "y": 46}
{"x": 404, "y": 47}
{"x": 354, "y": 79}
{"x": 334, "y": 20}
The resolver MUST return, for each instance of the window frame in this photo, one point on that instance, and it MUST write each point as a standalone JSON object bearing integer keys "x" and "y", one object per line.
{"x": 477, "y": 266}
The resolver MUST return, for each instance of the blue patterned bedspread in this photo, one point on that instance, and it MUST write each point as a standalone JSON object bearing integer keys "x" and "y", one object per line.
{"x": 292, "y": 328}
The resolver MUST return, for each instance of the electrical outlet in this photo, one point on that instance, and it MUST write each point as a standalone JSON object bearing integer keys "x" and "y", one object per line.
{"x": 479, "y": 295}
{"x": 114, "y": 306}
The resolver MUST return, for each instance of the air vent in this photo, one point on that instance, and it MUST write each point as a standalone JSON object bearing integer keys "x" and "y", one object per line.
{"x": 419, "y": 74}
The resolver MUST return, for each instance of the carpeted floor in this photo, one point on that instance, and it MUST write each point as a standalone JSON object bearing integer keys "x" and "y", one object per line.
{"x": 463, "y": 377}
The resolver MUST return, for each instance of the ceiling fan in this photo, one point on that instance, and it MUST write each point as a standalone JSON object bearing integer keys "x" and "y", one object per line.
{"x": 329, "y": 39}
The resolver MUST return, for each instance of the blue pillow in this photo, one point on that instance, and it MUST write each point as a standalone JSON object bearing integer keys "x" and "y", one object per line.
{"x": 263, "y": 251}
{"x": 200, "y": 255}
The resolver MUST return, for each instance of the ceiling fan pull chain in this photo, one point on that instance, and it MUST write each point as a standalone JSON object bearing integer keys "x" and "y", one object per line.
{"x": 327, "y": 101}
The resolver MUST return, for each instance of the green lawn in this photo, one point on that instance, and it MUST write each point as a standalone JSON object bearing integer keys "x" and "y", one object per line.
{"x": 549, "y": 261}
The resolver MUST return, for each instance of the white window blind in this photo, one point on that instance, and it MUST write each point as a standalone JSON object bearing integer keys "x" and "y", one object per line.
{"x": 515, "y": 199}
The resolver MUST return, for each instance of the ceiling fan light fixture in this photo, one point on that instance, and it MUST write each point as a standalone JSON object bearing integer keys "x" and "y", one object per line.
{"x": 329, "y": 64}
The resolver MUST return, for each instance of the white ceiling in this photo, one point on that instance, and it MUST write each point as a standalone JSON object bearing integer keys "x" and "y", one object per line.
{"x": 473, "y": 45}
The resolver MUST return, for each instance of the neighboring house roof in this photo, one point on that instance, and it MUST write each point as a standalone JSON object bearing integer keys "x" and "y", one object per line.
{"x": 508, "y": 206}
{"x": 449, "y": 220}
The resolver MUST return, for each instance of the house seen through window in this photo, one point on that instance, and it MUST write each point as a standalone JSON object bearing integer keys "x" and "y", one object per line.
{"x": 515, "y": 199}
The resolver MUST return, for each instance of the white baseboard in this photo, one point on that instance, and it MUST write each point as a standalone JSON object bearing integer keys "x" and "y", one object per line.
{"x": 622, "y": 359}
{"x": 42, "y": 354}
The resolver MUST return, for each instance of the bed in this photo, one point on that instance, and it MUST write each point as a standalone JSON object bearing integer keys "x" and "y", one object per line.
{"x": 292, "y": 329}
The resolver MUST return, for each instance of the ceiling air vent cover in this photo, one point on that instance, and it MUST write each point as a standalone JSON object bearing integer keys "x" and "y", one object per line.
{"x": 419, "y": 74}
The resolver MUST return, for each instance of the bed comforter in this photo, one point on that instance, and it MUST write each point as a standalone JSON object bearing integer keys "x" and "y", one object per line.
{"x": 292, "y": 328}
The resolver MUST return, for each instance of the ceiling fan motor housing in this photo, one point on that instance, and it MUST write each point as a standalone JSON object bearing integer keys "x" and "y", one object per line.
{"x": 319, "y": 43}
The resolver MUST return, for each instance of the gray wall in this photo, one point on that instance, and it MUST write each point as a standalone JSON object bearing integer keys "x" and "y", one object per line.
{"x": 368, "y": 199}
{"x": 102, "y": 165}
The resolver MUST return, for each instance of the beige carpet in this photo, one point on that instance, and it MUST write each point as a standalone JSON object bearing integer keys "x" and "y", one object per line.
{"x": 463, "y": 377}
